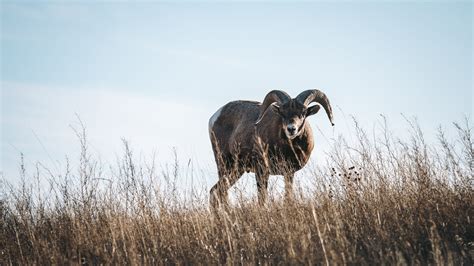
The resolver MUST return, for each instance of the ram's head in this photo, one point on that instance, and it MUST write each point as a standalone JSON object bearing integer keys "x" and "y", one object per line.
{"x": 293, "y": 112}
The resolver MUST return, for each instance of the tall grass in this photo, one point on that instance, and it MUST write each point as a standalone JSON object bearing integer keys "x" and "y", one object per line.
{"x": 378, "y": 199}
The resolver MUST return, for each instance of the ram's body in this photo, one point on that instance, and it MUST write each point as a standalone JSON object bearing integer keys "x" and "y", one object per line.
{"x": 249, "y": 136}
{"x": 244, "y": 146}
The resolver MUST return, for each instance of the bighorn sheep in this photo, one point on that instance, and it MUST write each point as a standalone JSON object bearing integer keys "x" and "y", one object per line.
{"x": 247, "y": 136}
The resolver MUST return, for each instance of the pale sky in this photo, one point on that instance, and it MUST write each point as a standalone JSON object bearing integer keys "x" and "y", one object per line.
{"x": 153, "y": 73}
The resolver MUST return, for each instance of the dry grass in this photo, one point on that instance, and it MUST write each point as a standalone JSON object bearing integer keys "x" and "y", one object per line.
{"x": 387, "y": 200}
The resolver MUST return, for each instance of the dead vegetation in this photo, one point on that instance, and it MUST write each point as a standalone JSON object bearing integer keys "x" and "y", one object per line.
{"x": 378, "y": 200}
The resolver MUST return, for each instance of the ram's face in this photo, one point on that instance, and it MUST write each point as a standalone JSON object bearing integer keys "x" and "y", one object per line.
{"x": 293, "y": 116}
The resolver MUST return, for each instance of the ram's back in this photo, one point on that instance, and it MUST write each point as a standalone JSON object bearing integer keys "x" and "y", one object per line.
{"x": 232, "y": 126}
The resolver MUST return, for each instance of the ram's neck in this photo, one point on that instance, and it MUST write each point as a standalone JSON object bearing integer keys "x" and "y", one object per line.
{"x": 269, "y": 130}
{"x": 305, "y": 140}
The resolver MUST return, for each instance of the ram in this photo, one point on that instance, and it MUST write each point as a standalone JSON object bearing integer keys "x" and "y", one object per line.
{"x": 248, "y": 136}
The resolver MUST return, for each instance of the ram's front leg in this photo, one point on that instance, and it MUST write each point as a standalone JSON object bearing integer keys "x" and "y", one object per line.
{"x": 262, "y": 176}
{"x": 289, "y": 187}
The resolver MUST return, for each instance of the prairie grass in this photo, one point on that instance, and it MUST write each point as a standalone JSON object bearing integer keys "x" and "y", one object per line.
{"x": 377, "y": 200}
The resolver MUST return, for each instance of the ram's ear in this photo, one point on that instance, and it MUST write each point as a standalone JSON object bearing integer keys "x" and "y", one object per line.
{"x": 313, "y": 110}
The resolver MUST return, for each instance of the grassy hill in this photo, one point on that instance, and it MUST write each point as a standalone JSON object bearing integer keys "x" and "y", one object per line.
{"x": 378, "y": 200}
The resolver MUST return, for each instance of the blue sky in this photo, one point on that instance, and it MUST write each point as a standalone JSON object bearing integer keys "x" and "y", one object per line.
{"x": 153, "y": 73}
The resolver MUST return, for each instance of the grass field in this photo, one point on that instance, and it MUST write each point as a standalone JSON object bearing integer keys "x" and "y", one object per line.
{"x": 379, "y": 199}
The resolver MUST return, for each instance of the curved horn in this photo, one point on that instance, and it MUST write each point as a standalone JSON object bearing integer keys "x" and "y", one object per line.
{"x": 309, "y": 96}
{"x": 277, "y": 96}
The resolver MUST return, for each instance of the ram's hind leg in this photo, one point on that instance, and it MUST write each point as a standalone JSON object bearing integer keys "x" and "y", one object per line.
{"x": 219, "y": 192}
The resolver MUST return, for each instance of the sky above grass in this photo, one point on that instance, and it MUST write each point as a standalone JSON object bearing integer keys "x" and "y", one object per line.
{"x": 153, "y": 73}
